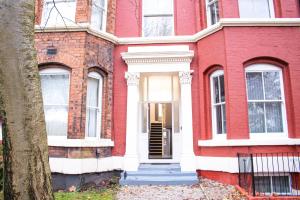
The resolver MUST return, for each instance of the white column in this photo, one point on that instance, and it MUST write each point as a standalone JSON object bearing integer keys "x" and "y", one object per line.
{"x": 188, "y": 159}
{"x": 131, "y": 162}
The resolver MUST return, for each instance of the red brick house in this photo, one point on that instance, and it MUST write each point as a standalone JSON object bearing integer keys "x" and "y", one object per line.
{"x": 172, "y": 81}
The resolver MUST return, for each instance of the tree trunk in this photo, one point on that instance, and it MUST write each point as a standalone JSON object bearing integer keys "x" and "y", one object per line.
{"x": 27, "y": 173}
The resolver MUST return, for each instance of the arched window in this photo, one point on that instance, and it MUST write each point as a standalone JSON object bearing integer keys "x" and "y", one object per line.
{"x": 265, "y": 94}
{"x": 94, "y": 105}
{"x": 218, "y": 103}
{"x": 55, "y": 89}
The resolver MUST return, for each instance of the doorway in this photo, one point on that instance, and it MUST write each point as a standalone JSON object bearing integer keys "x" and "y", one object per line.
{"x": 160, "y": 131}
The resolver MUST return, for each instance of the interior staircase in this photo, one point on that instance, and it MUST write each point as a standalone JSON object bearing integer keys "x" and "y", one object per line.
{"x": 155, "y": 140}
{"x": 158, "y": 174}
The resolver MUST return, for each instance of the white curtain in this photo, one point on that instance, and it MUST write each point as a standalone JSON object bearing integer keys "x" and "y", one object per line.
{"x": 55, "y": 90}
{"x": 214, "y": 12}
{"x": 264, "y": 102}
{"x": 98, "y": 12}
{"x": 94, "y": 99}
{"x": 66, "y": 14}
{"x": 254, "y": 9}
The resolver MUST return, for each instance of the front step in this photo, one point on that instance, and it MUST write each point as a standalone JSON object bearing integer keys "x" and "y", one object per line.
{"x": 159, "y": 174}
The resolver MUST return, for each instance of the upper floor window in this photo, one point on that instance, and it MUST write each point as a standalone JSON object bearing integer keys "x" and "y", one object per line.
{"x": 94, "y": 105}
{"x": 218, "y": 102}
{"x": 158, "y": 18}
{"x": 99, "y": 13}
{"x": 59, "y": 12}
{"x": 256, "y": 8}
{"x": 212, "y": 9}
{"x": 55, "y": 89}
{"x": 266, "y": 109}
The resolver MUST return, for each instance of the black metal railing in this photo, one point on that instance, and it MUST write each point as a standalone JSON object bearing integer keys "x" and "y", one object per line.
{"x": 267, "y": 174}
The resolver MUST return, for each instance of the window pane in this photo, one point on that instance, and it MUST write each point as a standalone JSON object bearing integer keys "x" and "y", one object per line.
{"x": 254, "y": 8}
{"x": 97, "y": 17}
{"x": 254, "y": 86}
{"x": 55, "y": 91}
{"x": 224, "y": 118}
{"x": 272, "y": 85}
{"x": 274, "y": 117}
{"x": 66, "y": 9}
{"x": 56, "y": 118}
{"x": 92, "y": 92}
{"x": 219, "y": 119}
{"x": 160, "y": 88}
{"x": 99, "y": 3}
{"x": 91, "y": 122}
{"x": 159, "y": 7}
{"x": 222, "y": 89}
{"x": 281, "y": 184}
{"x": 256, "y": 117}
{"x": 216, "y": 90}
{"x": 214, "y": 12}
{"x": 158, "y": 26}
{"x": 176, "y": 117}
{"x": 262, "y": 184}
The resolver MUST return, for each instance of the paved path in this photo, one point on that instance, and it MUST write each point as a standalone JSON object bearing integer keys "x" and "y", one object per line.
{"x": 205, "y": 190}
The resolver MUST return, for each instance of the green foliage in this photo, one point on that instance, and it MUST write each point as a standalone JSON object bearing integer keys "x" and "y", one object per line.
{"x": 107, "y": 194}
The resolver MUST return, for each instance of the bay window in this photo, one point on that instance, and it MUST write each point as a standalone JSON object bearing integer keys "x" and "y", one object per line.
{"x": 256, "y": 8}
{"x": 94, "y": 105}
{"x": 55, "y": 84}
{"x": 59, "y": 12}
{"x": 158, "y": 18}
{"x": 99, "y": 13}
{"x": 266, "y": 108}
{"x": 218, "y": 103}
{"x": 212, "y": 9}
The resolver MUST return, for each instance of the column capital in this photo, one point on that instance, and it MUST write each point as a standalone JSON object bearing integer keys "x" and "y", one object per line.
{"x": 185, "y": 77}
{"x": 133, "y": 78}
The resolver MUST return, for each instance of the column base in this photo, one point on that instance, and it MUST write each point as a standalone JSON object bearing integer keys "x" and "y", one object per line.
{"x": 131, "y": 163}
{"x": 188, "y": 163}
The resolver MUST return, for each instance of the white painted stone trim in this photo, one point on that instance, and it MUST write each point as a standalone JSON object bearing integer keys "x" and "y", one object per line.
{"x": 208, "y": 163}
{"x": 64, "y": 142}
{"x": 86, "y": 165}
{"x": 224, "y": 22}
{"x": 248, "y": 142}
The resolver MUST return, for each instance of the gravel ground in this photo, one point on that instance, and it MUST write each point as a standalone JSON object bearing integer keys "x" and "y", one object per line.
{"x": 205, "y": 190}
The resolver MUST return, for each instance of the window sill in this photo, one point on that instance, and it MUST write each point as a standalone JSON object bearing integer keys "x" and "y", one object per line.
{"x": 64, "y": 142}
{"x": 248, "y": 142}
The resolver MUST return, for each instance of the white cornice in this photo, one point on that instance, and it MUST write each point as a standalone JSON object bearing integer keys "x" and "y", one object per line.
{"x": 158, "y": 54}
{"x": 225, "y": 22}
{"x": 248, "y": 142}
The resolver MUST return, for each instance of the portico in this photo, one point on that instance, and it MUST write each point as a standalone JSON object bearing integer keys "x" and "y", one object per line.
{"x": 159, "y": 94}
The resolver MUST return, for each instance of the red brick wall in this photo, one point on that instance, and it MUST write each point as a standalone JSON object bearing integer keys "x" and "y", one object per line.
{"x": 81, "y": 53}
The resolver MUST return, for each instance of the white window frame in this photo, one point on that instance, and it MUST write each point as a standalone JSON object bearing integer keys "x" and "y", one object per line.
{"x": 153, "y": 15}
{"x": 100, "y": 79}
{"x": 268, "y": 68}
{"x": 104, "y": 17}
{"x": 67, "y": 21}
{"x": 208, "y": 12}
{"x": 271, "y": 11}
{"x": 215, "y": 135}
{"x": 58, "y": 71}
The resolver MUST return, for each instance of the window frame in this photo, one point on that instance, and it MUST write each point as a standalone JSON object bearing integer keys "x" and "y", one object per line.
{"x": 157, "y": 15}
{"x": 268, "y": 68}
{"x": 271, "y": 11}
{"x": 100, "y": 78}
{"x": 104, "y": 17}
{"x": 208, "y": 12}
{"x": 54, "y": 71}
{"x": 271, "y": 182}
{"x": 44, "y": 17}
{"x": 213, "y": 105}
